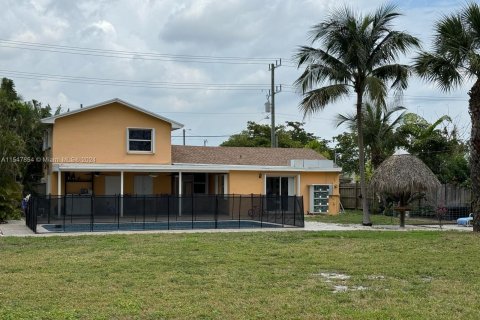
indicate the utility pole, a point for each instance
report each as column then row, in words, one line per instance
column 274, row 90
column 183, row 136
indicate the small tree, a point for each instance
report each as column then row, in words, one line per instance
column 378, row 129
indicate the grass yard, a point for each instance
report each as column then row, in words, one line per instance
column 355, row 217
column 261, row 275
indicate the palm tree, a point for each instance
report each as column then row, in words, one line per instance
column 356, row 53
column 378, row 129
column 455, row 57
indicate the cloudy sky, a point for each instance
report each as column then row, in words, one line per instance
column 173, row 56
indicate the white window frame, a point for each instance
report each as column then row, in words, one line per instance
column 47, row 139
column 152, row 151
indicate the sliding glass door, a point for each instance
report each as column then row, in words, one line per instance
column 277, row 190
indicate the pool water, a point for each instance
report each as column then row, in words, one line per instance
column 172, row 225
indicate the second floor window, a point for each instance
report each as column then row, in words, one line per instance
column 140, row 140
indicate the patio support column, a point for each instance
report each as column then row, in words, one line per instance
column 299, row 188
column 264, row 183
column 225, row 184
column 59, row 193
column 180, row 182
column 121, row 193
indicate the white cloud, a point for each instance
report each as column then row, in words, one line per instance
column 100, row 29
column 241, row 28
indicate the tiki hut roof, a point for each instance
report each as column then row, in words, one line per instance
column 404, row 174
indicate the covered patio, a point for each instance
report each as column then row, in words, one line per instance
column 157, row 212
column 92, row 197
column 129, row 180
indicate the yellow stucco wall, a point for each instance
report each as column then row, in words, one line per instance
column 100, row 133
column 162, row 184
column 245, row 182
column 53, row 183
column 309, row 178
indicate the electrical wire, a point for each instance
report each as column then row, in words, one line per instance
column 164, row 57
column 404, row 96
column 207, row 136
column 5, row 43
column 134, row 83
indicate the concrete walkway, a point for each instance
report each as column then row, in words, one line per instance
column 321, row 226
column 17, row 228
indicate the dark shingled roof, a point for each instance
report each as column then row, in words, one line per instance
column 241, row 155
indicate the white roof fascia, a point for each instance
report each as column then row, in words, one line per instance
column 51, row 120
column 233, row 167
column 184, row 167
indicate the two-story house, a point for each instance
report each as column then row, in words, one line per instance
column 117, row 148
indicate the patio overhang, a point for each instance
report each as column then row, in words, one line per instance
column 182, row 167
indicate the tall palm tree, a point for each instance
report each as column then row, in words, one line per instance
column 356, row 53
column 455, row 57
column 379, row 126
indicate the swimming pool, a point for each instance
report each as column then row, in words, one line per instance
column 171, row 225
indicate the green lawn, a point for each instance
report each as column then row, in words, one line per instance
column 262, row 275
column 355, row 217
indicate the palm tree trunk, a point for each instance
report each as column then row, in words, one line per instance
column 361, row 162
column 474, row 108
column 376, row 156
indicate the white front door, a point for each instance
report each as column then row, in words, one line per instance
column 112, row 185
column 143, row 185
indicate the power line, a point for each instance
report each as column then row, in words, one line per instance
column 23, row 45
column 179, row 85
column 405, row 96
column 215, row 113
column 137, row 52
column 206, row 136
column 134, row 83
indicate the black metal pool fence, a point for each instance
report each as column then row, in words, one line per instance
column 148, row 212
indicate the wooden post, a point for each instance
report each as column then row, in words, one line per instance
column 356, row 195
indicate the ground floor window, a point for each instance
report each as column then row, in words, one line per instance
column 192, row 183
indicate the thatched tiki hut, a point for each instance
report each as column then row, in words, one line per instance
column 402, row 176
